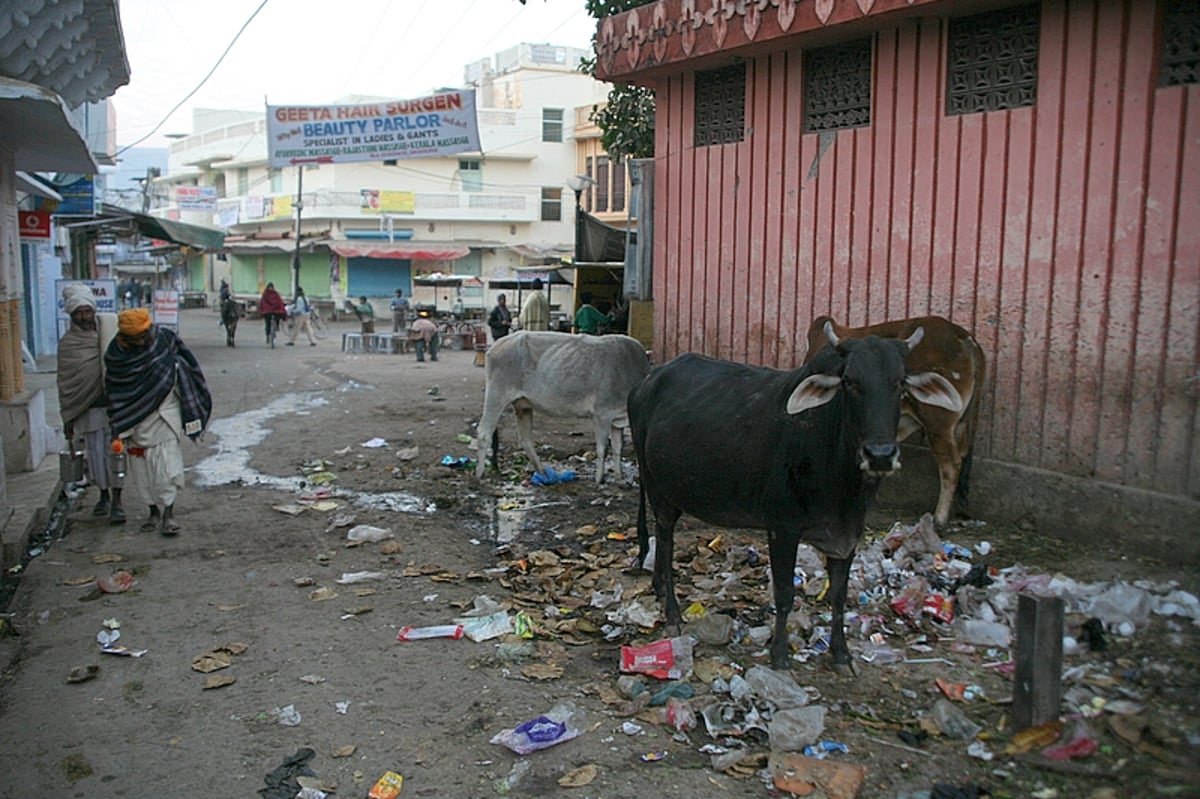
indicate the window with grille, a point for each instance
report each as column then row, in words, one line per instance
column 1180, row 56
column 992, row 61
column 720, row 105
column 587, row 195
column 618, row 185
column 470, row 174
column 601, row 187
column 243, row 180
column 552, row 124
column 276, row 180
column 837, row 86
column 551, row 204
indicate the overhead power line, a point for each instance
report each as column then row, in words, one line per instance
column 203, row 81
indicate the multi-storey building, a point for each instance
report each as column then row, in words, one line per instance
column 367, row 229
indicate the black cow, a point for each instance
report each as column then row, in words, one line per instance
column 796, row 453
column 231, row 311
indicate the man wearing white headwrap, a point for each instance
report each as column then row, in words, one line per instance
column 81, row 398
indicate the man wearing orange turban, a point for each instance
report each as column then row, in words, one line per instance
column 133, row 322
column 156, row 395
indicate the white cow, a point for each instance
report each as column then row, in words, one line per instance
column 561, row 374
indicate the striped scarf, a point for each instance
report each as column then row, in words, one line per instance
column 137, row 382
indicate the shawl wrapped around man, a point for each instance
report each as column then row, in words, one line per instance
column 80, row 380
column 139, row 380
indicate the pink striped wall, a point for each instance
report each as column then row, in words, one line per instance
column 1065, row 235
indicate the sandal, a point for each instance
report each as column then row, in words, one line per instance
column 116, row 515
column 101, row 508
column 150, row 525
column 169, row 528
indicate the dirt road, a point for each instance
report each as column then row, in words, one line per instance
column 264, row 579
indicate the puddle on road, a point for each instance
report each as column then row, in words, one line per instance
column 511, row 511
column 237, row 435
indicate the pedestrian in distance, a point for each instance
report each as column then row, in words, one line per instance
column 500, row 318
column 366, row 315
column 424, row 334
column 272, row 310
column 157, row 395
column 400, row 309
column 302, row 311
column 535, row 313
column 81, row 398
column 589, row 319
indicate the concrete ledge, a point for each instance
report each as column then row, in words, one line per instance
column 32, row 496
column 24, row 429
column 1074, row 509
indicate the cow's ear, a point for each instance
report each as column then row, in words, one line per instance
column 931, row 388
column 813, row 391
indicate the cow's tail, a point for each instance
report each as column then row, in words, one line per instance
column 496, row 449
column 970, row 421
column 643, row 532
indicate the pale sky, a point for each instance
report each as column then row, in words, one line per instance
column 307, row 52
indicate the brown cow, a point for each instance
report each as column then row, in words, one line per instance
column 951, row 352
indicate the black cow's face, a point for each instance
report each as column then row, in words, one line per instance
column 868, row 376
column 872, row 384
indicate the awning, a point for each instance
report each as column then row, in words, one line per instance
column 180, row 232
column 276, row 245
column 543, row 251
column 118, row 221
column 412, row 250
column 601, row 242
column 36, row 126
column 35, row 185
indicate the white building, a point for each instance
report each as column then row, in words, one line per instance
column 477, row 216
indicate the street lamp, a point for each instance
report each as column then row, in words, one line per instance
column 577, row 184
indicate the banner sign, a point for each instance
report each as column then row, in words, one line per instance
column 196, row 198
column 166, row 308
column 387, row 202
column 438, row 124
column 78, row 198
column 34, row 225
column 105, row 292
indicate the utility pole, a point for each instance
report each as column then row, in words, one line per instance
column 299, row 206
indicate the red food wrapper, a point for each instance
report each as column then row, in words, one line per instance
column 669, row 659
column 939, row 606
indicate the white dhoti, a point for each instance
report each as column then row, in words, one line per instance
column 155, row 457
column 93, row 438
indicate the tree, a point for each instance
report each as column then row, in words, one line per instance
column 627, row 121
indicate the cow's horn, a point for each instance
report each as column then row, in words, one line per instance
column 915, row 338
column 829, row 334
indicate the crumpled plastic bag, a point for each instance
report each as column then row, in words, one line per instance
column 550, row 477
column 776, row 687
column 365, row 534
column 560, row 723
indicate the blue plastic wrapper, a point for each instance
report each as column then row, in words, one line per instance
column 561, row 723
column 822, row 748
column 550, row 477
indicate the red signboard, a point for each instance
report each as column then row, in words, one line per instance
column 34, row 224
